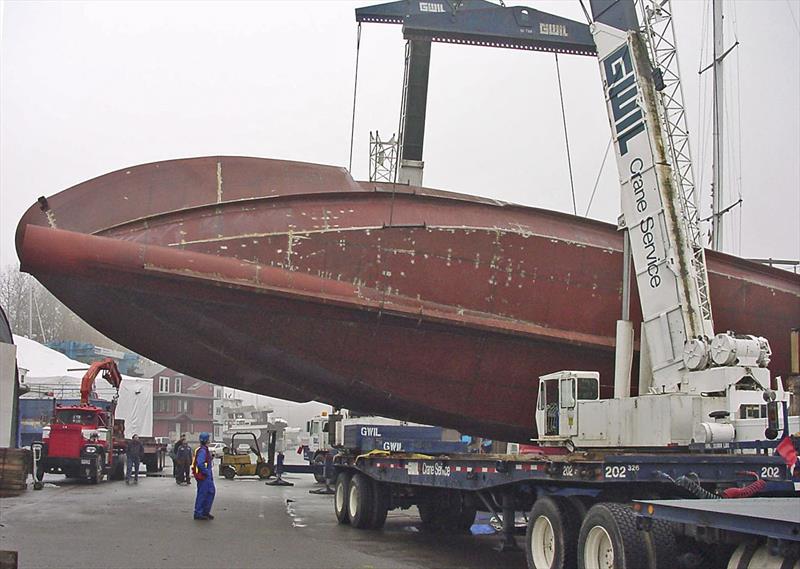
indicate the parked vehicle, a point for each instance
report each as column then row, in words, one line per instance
column 88, row 441
column 217, row 449
column 239, row 462
column 81, row 440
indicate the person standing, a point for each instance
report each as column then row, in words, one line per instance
column 133, row 455
column 183, row 460
column 203, row 471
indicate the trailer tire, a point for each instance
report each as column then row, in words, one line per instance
column 361, row 501
column 380, row 504
column 609, row 539
column 660, row 542
column 340, row 498
column 552, row 534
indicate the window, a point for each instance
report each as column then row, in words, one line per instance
column 177, row 385
column 567, row 393
column 211, row 408
column 68, row 416
column 588, row 389
column 163, row 384
column 162, row 405
column 183, row 406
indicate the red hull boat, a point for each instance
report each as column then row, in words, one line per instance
column 295, row 281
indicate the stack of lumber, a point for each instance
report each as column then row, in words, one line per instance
column 13, row 471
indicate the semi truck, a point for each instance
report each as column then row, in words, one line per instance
column 709, row 422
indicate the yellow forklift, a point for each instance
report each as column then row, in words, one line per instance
column 238, row 461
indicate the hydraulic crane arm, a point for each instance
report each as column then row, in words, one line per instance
column 110, row 372
column 671, row 286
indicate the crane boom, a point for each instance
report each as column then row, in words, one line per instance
column 110, row 373
column 670, row 285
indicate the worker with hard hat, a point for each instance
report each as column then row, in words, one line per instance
column 202, row 470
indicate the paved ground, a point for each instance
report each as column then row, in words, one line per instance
column 150, row 525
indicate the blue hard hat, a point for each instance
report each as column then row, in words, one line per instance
column 204, row 437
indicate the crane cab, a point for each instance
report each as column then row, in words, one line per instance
column 557, row 402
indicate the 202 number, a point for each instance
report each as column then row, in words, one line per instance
column 616, row 472
column 770, row 472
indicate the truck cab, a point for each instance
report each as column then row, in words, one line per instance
column 78, row 443
column 557, row 403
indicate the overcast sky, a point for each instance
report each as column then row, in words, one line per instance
column 91, row 87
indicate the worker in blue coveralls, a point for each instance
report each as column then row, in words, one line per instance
column 203, row 472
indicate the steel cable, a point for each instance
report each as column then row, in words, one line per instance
column 355, row 90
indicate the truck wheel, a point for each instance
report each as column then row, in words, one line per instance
column 98, row 471
column 228, row 472
column 360, row 502
column 609, row 539
column 380, row 504
column 340, row 498
column 319, row 460
column 552, row 535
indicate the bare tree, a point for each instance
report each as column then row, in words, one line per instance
column 35, row 313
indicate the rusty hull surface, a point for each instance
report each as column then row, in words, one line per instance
column 295, row 281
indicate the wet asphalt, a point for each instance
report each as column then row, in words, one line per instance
column 149, row 525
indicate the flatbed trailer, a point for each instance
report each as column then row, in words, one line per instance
column 764, row 531
column 568, row 499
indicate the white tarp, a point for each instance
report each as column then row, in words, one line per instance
column 48, row 371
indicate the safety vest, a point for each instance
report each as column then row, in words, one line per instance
column 207, row 463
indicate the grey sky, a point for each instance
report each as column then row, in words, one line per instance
column 91, row 87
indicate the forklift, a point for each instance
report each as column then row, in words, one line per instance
column 239, row 463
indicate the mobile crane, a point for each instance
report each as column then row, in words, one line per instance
column 82, row 441
column 707, row 420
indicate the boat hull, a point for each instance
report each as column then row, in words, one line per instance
column 294, row 281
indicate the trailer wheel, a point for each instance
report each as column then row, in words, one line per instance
column 552, row 535
column 340, row 498
column 660, row 542
column 360, row 501
column 380, row 504
column 609, row 539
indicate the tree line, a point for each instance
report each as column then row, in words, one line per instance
column 33, row 312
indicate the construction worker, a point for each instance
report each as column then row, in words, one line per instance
column 202, row 470
column 133, row 455
column 183, row 459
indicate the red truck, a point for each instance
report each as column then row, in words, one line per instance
column 85, row 441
